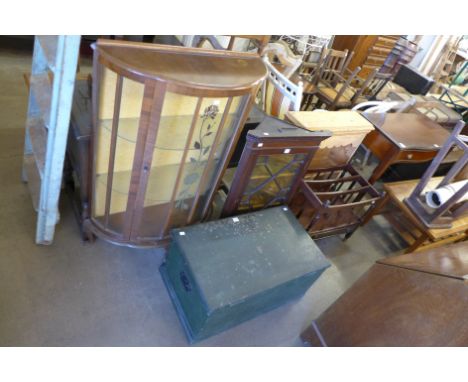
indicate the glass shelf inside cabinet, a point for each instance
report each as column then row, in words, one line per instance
column 172, row 130
column 156, row 192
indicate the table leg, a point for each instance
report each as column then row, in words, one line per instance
column 418, row 242
column 384, row 164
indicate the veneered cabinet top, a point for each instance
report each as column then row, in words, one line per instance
column 409, row 130
column 194, row 67
column 339, row 122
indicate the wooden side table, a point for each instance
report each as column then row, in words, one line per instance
column 349, row 129
column 410, row 228
column 409, row 300
column 402, row 138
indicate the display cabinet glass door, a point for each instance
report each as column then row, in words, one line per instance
column 271, row 180
column 118, row 120
column 192, row 143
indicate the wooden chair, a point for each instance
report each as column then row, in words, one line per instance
column 336, row 93
column 443, row 215
column 363, row 89
column 333, row 201
column 310, row 68
column 335, row 65
column 278, row 94
column 331, row 64
column 368, row 88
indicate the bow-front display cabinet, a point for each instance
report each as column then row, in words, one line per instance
column 165, row 122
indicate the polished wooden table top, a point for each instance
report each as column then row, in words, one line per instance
column 419, row 299
column 450, row 261
column 393, row 306
column 409, row 130
column 338, row 122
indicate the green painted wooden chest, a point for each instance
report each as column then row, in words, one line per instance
column 224, row 272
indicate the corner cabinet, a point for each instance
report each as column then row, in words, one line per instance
column 275, row 159
column 165, row 122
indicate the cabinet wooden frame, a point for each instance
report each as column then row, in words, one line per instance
column 265, row 142
column 163, row 74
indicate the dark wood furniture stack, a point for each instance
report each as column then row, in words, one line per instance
column 418, row 299
column 402, row 53
column 165, row 121
column 276, row 157
column 370, row 51
column 333, row 201
column 402, row 138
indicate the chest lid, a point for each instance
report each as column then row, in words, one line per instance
column 237, row 257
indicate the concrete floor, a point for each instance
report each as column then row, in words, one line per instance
column 77, row 294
